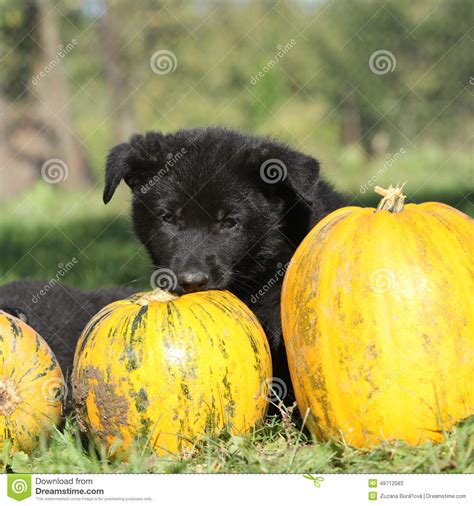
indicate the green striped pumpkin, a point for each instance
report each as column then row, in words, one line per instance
column 31, row 385
column 170, row 369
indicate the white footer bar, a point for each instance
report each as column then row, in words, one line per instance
column 239, row 490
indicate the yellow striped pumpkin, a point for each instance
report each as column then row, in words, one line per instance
column 378, row 322
column 169, row 369
column 32, row 386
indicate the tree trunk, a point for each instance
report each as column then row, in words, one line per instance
column 121, row 116
column 16, row 175
column 54, row 95
column 350, row 126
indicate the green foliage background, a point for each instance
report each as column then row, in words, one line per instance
column 424, row 105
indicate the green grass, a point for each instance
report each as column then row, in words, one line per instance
column 276, row 447
column 44, row 229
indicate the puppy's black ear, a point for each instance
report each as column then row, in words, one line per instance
column 133, row 161
column 290, row 171
column 305, row 182
column 303, row 176
column 116, row 168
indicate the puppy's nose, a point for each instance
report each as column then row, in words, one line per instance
column 193, row 281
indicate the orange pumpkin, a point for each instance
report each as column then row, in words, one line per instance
column 32, row 386
column 378, row 322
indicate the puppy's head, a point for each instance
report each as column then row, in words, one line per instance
column 215, row 208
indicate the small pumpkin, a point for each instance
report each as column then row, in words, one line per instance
column 378, row 322
column 32, row 386
column 169, row 369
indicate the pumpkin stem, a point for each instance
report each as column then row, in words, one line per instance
column 9, row 397
column 157, row 295
column 393, row 198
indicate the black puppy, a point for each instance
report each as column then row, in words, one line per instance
column 59, row 315
column 217, row 209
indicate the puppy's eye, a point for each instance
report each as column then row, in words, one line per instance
column 228, row 223
column 168, row 217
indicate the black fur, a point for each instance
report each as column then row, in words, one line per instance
column 210, row 211
column 60, row 315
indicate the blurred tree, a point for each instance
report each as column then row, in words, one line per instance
column 390, row 69
column 320, row 96
column 447, row 65
column 122, row 122
column 55, row 97
column 17, row 51
column 17, row 48
column 35, row 98
column 362, row 47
